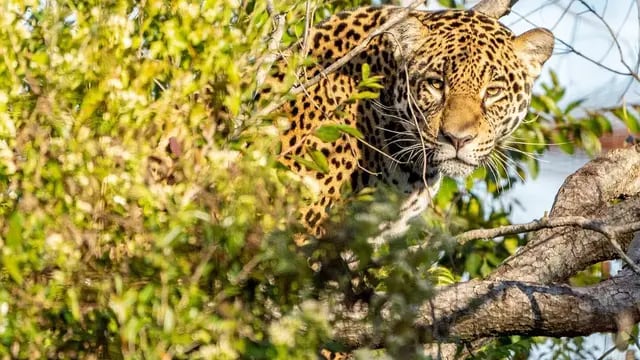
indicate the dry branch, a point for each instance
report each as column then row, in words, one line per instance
column 273, row 45
column 479, row 309
column 592, row 191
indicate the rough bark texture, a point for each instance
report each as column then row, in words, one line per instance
column 593, row 191
column 524, row 295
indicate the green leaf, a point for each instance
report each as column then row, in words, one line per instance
column 311, row 165
column 74, row 305
column 511, row 244
column 472, row 263
column 628, row 119
column 554, row 78
column 448, row 189
column 442, row 275
column 360, row 95
column 604, row 123
column 14, row 234
column 560, row 139
column 448, row 3
column 328, row 133
column 572, row 105
column 485, row 269
column 10, row 263
column 537, row 104
column 320, row 160
column 550, row 105
column 590, row 142
column 371, row 83
column 331, row 133
column 366, row 71
column 350, row 130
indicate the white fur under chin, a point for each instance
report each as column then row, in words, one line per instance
column 455, row 168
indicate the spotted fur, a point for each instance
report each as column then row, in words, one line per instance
column 455, row 83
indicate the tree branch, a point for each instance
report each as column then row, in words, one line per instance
column 274, row 43
column 592, row 191
column 478, row 309
column 520, row 297
column 610, row 232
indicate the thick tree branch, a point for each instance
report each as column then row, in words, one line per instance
column 492, row 308
column 593, row 191
column 478, row 309
column 520, row 297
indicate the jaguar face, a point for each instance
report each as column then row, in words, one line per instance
column 471, row 93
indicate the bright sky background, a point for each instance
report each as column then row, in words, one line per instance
column 592, row 34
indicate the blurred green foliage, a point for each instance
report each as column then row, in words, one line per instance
column 144, row 214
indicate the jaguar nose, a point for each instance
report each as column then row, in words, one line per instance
column 457, row 140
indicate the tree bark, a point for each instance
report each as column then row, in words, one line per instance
column 523, row 295
column 596, row 190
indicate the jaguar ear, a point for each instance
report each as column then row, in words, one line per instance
column 408, row 36
column 533, row 48
column 494, row 8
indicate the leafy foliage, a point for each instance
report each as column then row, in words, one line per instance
column 145, row 213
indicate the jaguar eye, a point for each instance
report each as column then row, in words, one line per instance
column 493, row 91
column 436, row 83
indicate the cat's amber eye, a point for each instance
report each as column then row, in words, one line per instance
column 436, row 83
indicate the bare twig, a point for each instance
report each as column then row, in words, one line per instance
column 613, row 34
column 274, row 43
column 584, row 56
column 308, row 18
column 610, row 232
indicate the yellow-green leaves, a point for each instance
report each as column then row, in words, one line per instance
column 318, row 161
column 368, row 86
column 630, row 120
column 331, row 133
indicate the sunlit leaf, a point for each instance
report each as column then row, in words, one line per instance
column 630, row 120
column 590, row 142
column 331, row 133
column 320, row 160
column 328, row 133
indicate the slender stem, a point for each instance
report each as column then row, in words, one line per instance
column 610, row 232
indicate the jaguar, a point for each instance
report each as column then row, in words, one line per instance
column 452, row 85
